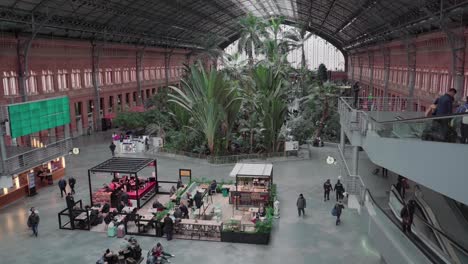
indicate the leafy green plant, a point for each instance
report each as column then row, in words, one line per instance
column 266, row 225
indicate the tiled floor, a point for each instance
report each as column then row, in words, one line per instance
column 312, row 239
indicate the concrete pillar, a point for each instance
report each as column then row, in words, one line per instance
column 342, row 139
column 355, row 160
column 457, row 44
column 386, row 58
column 139, row 74
column 360, row 68
column 370, row 56
column 95, row 55
column 411, row 63
column 22, row 48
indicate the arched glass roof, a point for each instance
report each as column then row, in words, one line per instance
column 185, row 23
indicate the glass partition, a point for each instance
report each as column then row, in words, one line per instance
column 449, row 129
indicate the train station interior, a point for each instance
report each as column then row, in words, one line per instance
column 218, row 128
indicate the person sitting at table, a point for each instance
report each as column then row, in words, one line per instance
column 198, row 200
column 189, row 200
column 159, row 252
column 124, row 197
column 158, row 205
column 133, row 216
column 184, row 210
column 172, row 190
column 110, row 257
column 178, row 213
column 256, row 218
column 179, row 184
column 213, row 186
column 120, row 207
column 262, row 211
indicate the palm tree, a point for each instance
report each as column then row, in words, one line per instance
column 298, row 39
column 211, row 50
column 272, row 105
column 252, row 29
column 207, row 96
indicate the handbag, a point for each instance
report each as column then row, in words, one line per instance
column 333, row 211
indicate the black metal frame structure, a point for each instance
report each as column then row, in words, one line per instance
column 347, row 24
column 130, row 166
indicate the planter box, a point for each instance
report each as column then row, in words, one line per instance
column 247, row 238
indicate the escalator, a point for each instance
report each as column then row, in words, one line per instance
column 427, row 233
column 419, row 148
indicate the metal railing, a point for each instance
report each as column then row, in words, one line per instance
column 353, row 183
column 384, row 104
column 35, row 157
column 227, row 159
column 456, row 254
column 444, row 128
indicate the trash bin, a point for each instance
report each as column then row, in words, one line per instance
column 225, row 192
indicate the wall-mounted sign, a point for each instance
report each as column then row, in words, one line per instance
column 185, row 173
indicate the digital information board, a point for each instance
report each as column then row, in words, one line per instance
column 30, row 117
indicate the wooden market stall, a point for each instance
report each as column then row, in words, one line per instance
column 253, row 184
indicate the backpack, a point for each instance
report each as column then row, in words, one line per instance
column 334, row 211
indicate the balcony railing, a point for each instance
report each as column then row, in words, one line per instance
column 37, row 156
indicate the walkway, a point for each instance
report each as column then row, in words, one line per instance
column 313, row 239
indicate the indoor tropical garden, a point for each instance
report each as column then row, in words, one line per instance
column 250, row 102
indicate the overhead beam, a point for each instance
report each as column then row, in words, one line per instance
column 328, row 13
column 355, row 15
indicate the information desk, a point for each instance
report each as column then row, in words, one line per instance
column 191, row 228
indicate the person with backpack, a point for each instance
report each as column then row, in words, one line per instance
column 337, row 210
column 112, row 148
column 407, row 215
column 71, row 183
column 327, row 187
column 464, row 122
column 444, row 106
column 33, row 220
column 339, row 189
column 62, row 185
column 301, row 205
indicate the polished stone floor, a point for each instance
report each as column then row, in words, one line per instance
column 312, row 239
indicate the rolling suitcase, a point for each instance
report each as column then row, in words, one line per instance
column 120, row 231
column 111, row 230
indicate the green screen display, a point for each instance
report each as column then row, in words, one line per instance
column 31, row 117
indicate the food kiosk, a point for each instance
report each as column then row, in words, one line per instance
column 253, row 184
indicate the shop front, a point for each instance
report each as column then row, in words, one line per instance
column 29, row 181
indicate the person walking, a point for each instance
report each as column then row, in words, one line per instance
column 33, row 220
column 62, row 185
column 339, row 189
column 356, row 94
column 168, row 227
column 301, row 205
column 464, row 121
column 407, row 215
column 70, row 200
column 327, row 187
column 338, row 210
column 112, row 148
column 71, row 183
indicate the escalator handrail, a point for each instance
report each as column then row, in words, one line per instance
column 406, row 120
column 419, row 246
column 460, row 247
column 417, row 119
